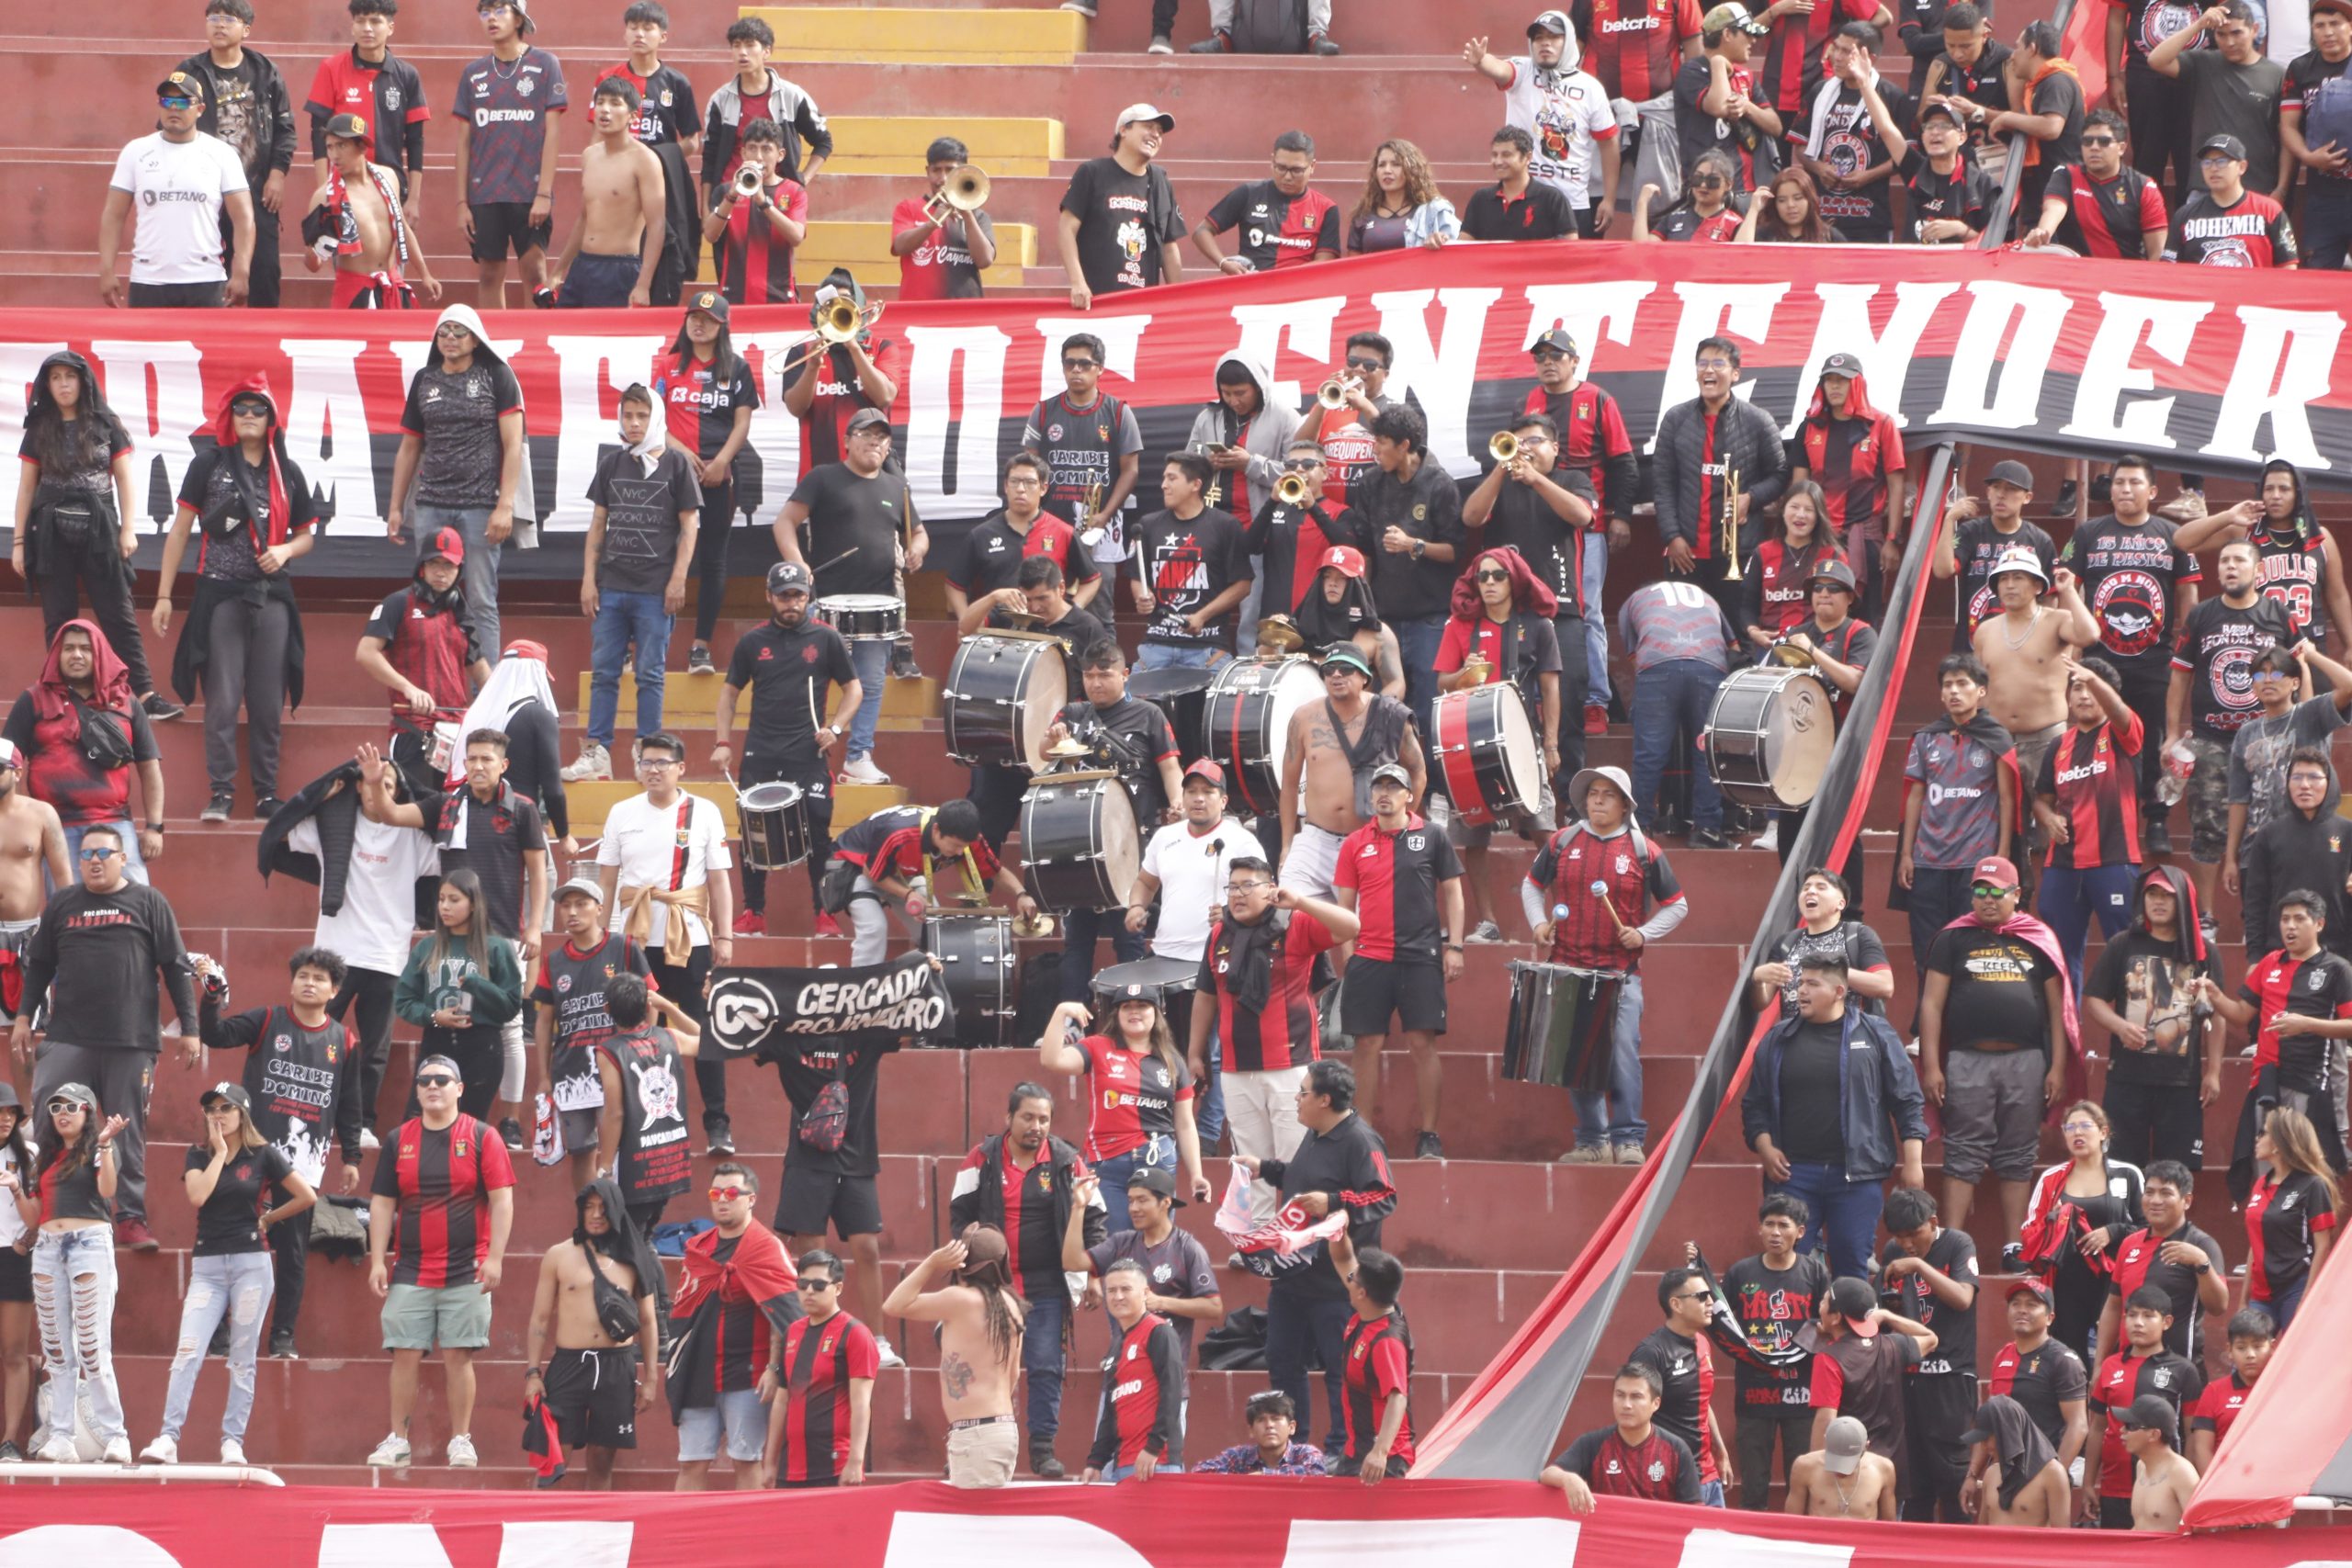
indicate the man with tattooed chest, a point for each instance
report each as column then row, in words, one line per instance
column 1334, row 746
column 979, row 1323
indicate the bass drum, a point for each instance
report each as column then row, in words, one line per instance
column 1004, row 691
column 976, row 957
column 1487, row 754
column 1247, row 720
column 1183, row 694
column 775, row 826
column 1769, row 734
column 1562, row 1024
column 1080, row 848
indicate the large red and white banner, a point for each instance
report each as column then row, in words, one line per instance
column 1174, row 1522
column 2191, row 365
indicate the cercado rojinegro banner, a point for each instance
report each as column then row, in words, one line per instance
column 2198, row 367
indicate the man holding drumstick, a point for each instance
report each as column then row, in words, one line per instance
column 1587, row 897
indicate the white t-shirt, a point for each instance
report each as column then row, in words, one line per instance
column 1191, row 874
column 644, row 841
column 377, row 925
column 1567, row 118
column 177, row 192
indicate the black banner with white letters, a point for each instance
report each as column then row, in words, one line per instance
column 761, row 1013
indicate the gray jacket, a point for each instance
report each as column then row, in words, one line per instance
column 1751, row 445
column 1265, row 438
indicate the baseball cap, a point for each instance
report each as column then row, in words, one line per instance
column 75, row 1094
column 2009, row 471
column 1559, row 342
column 1936, row 108
column 2341, row 7
column 1204, row 769
column 1347, row 653
column 1347, row 558
column 2154, row 1411
column 1549, row 22
column 1395, row 773
column 864, row 417
column 2038, row 1290
column 1155, row 1178
column 235, row 1093
column 711, row 303
column 1834, row 571
column 1135, row 112
column 349, row 127
column 587, row 886
column 1730, row 15
column 2020, row 558
column 1995, row 869
column 1844, row 365
column 448, row 542
column 181, row 85
column 2221, row 141
column 1854, row 1300
column 1843, row 1447
column 786, row 576
column 1135, row 991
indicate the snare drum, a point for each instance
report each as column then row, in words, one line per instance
column 1247, row 720
column 1080, row 845
column 775, row 826
column 1487, row 754
column 1003, row 692
column 864, row 617
column 1561, row 1025
column 1183, row 694
column 1769, row 734
column 976, row 958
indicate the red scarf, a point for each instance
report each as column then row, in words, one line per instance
column 2044, row 941
column 224, row 432
column 53, row 695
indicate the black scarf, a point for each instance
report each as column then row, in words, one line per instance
column 620, row 1242
column 1249, row 958
column 1323, row 623
column 2021, row 1446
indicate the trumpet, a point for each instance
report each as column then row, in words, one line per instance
column 1333, row 393
column 1291, row 489
column 749, row 180
column 1731, row 526
column 1503, row 447
column 1091, row 534
column 967, row 190
column 839, row 323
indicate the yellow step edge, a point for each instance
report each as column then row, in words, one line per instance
column 593, row 800
column 692, row 701
column 868, row 242
column 917, row 35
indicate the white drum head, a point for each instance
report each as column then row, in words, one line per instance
column 849, row 603
column 1522, row 761
column 1122, row 838
column 1293, row 684
column 767, row 796
column 1800, row 731
column 1045, row 687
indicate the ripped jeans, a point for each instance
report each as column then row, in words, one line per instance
column 237, row 1285
column 73, row 1284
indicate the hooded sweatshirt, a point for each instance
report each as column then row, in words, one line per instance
column 82, row 481
column 489, row 386
column 1850, row 456
column 2294, row 851
column 78, row 773
column 2294, row 559
column 1265, row 436
column 238, row 511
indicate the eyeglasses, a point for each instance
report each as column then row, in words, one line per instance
column 659, row 763
column 451, row 329
column 1298, row 171
column 435, row 1081
column 2270, row 676
column 1714, row 364
column 1026, row 482
column 728, row 1194
column 1081, row 365
column 1357, row 362
column 1987, row 890
column 2212, row 159
column 1245, row 887
column 2318, row 780
column 2078, row 1126
column 98, row 851
column 1494, row 577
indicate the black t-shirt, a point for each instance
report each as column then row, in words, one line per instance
column 1188, row 562
column 994, row 551
column 212, row 478
column 2218, row 642
column 494, row 852
column 1774, row 1306
column 1138, row 735
column 849, row 513
column 230, row 1220
column 805, row 1072
column 1753, row 156
column 1851, row 939
column 1123, row 219
column 1428, row 507
column 2307, row 76
column 1849, row 145
column 1523, row 522
column 2060, row 93
column 2042, row 1379
column 456, row 416
column 2147, row 23
column 787, row 673
column 1965, row 193
column 1684, row 1366
column 2148, row 983
column 641, row 525
column 1541, row 213
column 1812, row 1125
column 1953, row 1254
column 1997, row 988
column 2130, row 578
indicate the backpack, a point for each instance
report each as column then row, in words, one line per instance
column 824, row 1126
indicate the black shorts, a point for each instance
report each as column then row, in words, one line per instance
column 16, row 1275
column 592, row 1395
column 1937, row 1409
column 598, row 283
column 808, row 1198
column 501, row 226
column 1376, row 991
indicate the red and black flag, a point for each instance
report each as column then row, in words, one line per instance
column 734, row 1295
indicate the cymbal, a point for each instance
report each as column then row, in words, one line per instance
column 1070, row 748
column 1026, row 926
column 1282, row 632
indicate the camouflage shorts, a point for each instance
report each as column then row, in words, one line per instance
column 2208, row 800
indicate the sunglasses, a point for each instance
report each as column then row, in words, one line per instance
column 1696, row 1296
column 435, row 1081
column 814, row 1284
column 1081, row 365
column 1709, row 182
column 1494, row 577
column 250, row 411
column 59, row 1106
column 1987, row 890
column 98, row 851
column 1300, row 465
column 2270, row 676
column 2098, row 141
column 728, row 1194
column 182, row 102
column 1359, row 363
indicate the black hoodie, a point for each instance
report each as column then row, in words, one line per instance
column 85, row 481
column 2290, row 851
column 2146, row 981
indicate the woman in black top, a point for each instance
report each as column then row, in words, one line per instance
column 461, row 986
column 2076, row 1211
column 2290, row 1214
column 19, row 1215
column 230, row 1173
column 73, row 1274
column 74, row 527
column 707, row 394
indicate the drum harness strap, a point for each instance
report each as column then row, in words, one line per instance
column 972, row 877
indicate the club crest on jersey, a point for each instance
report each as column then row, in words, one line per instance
column 564, row 982
column 1657, row 1470
column 1417, row 842
column 1624, row 864
column 283, row 1043
column 2319, row 979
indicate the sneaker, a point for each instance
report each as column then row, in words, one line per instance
column 367, row 1139
column 890, row 1357
column 1215, row 43
column 860, row 770
column 1044, row 1465
column 1426, row 1146
column 1626, row 1154
column 750, row 923
column 160, row 708
column 266, row 807
column 1769, row 838
column 2068, row 494
column 2013, row 1257
column 2156, row 837
column 698, row 660
column 1083, row 7
column 1586, row 1154
column 1158, row 45
column 594, row 763
column 2185, row 507
column 720, row 1137
column 1487, row 931
column 2102, row 489
column 902, row 653
column 1233, row 1260
column 232, row 1451
column 1596, row 719
column 281, row 1346
column 1321, row 43
column 118, row 1452
column 58, row 1450
column 1710, row 838
column 11, row 1454
column 217, row 809
column 393, row 1449
column 132, row 1234
column 461, row 1452
column 512, row 1131
column 164, row 1449
column 828, row 926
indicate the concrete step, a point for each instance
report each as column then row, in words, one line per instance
column 916, row 35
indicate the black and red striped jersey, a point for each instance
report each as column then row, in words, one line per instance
column 1395, row 877
column 1283, row 1033
column 754, row 264
column 1593, row 437
column 2253, row 230
column 1277, row 231
column 1631, row 871
column 2283, row 1218
column 820, row 1361
column 740, row 1339
column 2106, row 218
column 1849, row 459
column 994, row 550
column 1633, row 46
column 1142, row 1390
column 2122, row 1378
column 2216, row 1410
column 824, row 429
column 431, row 643
column 1032, row 1222
column 892, row 842
column 1779, row 596
column 440, row 1182
column 1790, row 73
column 2045, row 1380
column 1659, row 1467
column 700, row 398
column 2094, row 776
column 2317, row 987
column 1379, row 1362
column 388, row 95
column 1132, row 1097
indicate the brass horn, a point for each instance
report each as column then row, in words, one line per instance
column 1333, row 394
column 1502, row 446
column 967, row 190
column 749, row 180
column 1291, row 489
column 837, row 323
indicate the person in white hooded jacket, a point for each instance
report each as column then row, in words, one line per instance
column 1244, row 435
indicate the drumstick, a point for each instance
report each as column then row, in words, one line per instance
column 1600, row 891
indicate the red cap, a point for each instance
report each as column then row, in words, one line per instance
column 1997, row 870
column 447, row 542
column 1347, row 558
column 1205, row 769
column 2034, row 1288
column 523, row 647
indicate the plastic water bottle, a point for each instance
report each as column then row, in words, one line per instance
column 2179, row 763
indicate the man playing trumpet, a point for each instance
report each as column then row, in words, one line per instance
column 1719, row 460
column 944, row 239
column 757, row 222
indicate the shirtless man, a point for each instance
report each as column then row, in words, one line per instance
column 616, row 239
column 32, row 841
column 2040, row 1500
column 595, row 1385
column 980, row 1324
column 2028, row 651
column 1339, row 792
column 1842, row 1479
column 364, row 231
column 2160, row 1491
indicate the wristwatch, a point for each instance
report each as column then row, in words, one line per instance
column 155, row 828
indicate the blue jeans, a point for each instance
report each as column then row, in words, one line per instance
column 74, row 1291
column 1122, row 1472
column 1416, row 644
column 1170, row 655
column 1208, row 1100
column 1081, row 929
column 1670, row 705
column 235, row 1285
column 133, row 866
column 871, row 658
column 1157, row 1151
column 624, row 618
column 2070, row 898
column 1845, row 1213
column 2283, row 1306
column 1711, row 1494
column 1595, row 1119
column 1297, row 1326
column 1041, row 1357
column 1596, row 632
column 478, row 573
